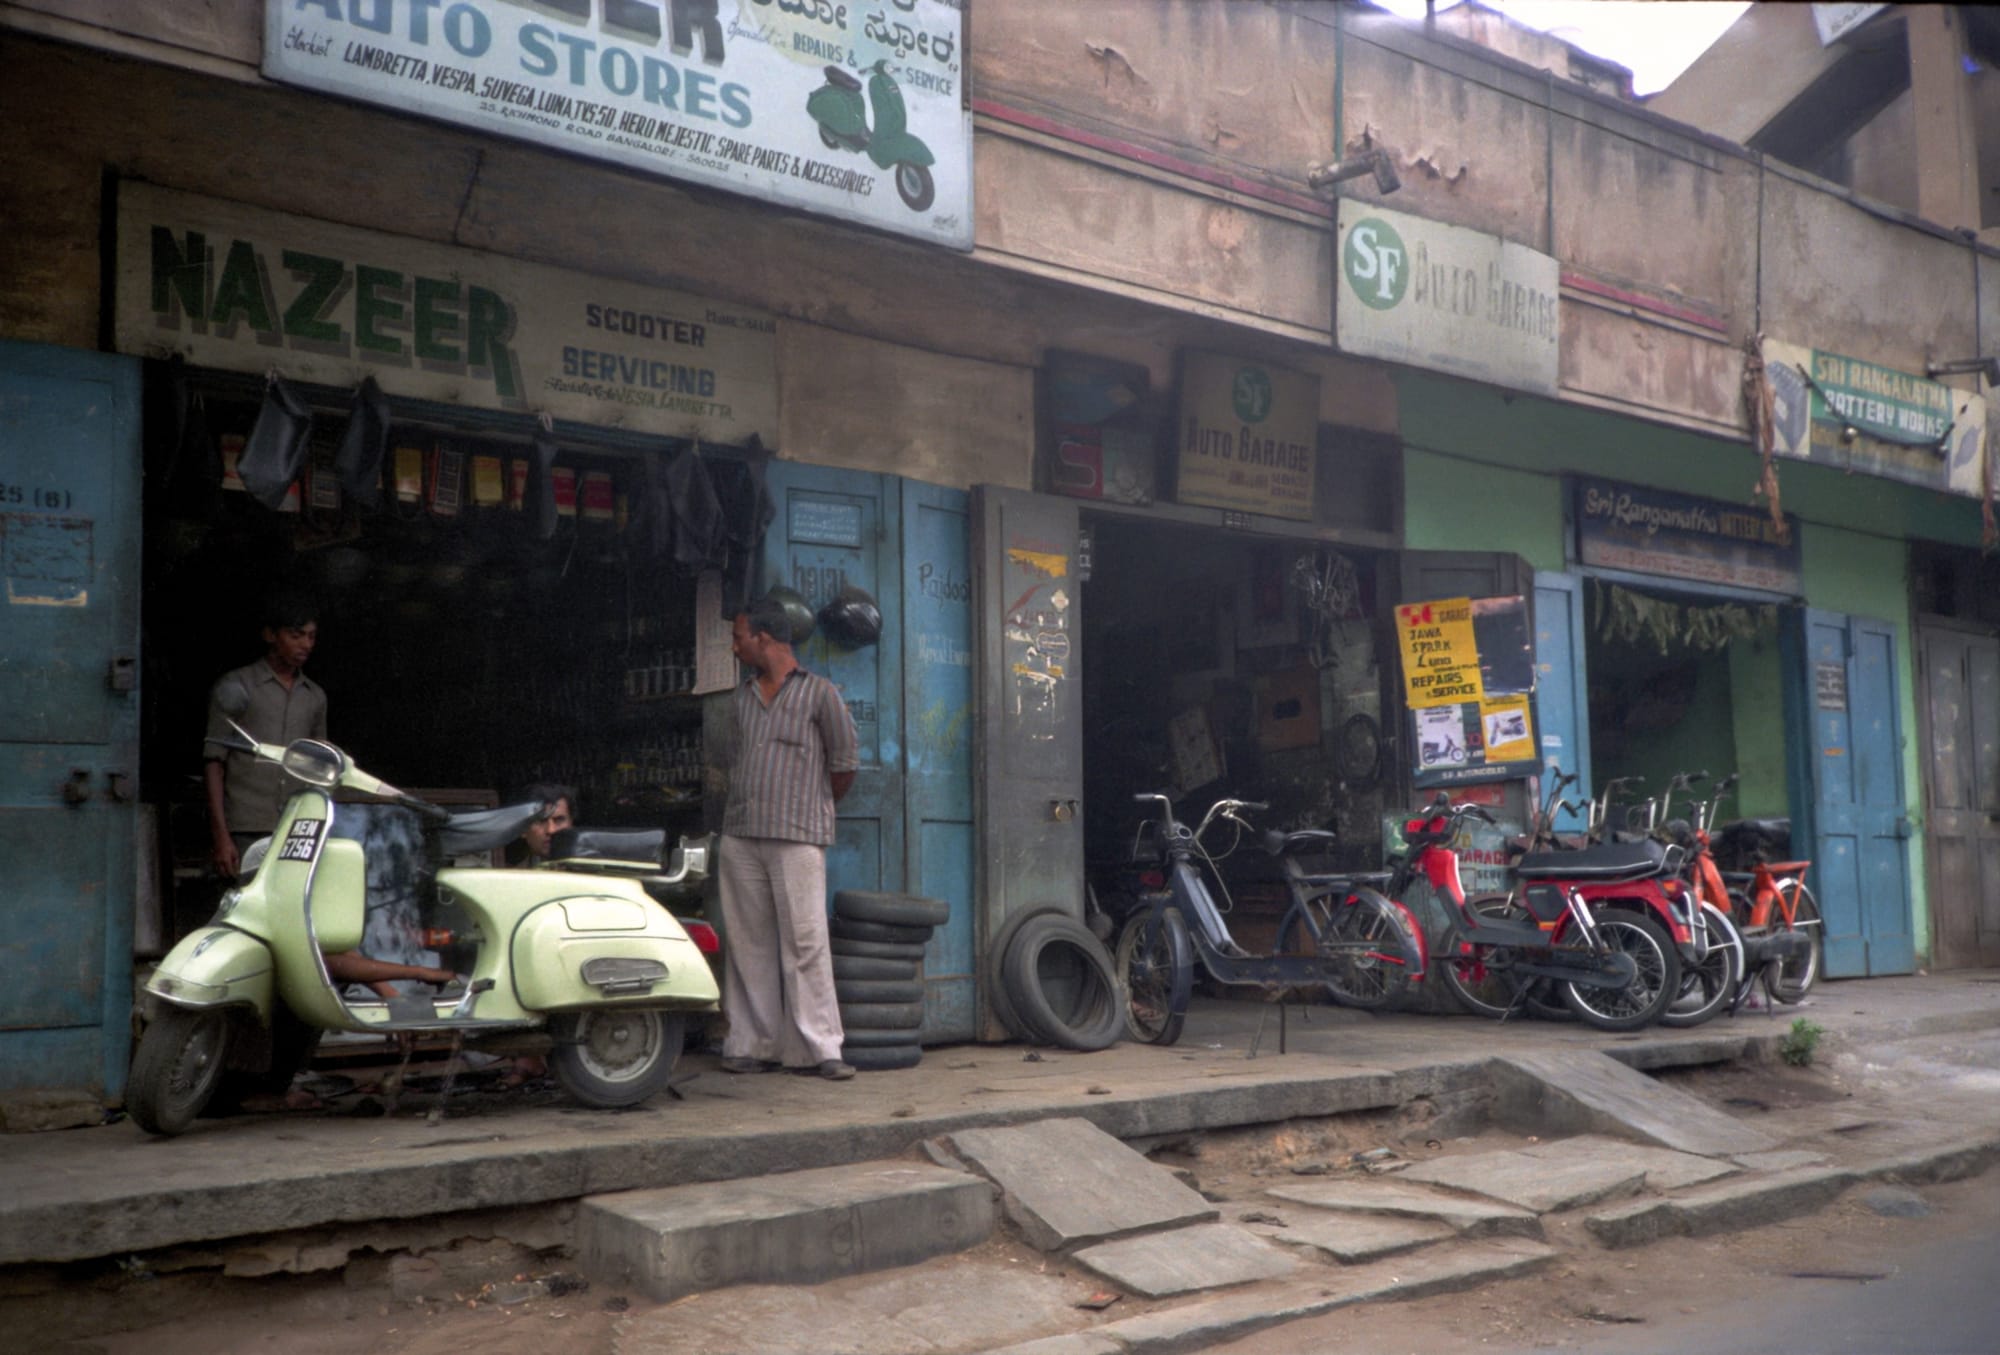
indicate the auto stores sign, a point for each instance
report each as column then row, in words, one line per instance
column 852, row 108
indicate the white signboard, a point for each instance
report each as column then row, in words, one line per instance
column 851, row 108
column 1446, row 298
column 248, row 290
column 1835, row 22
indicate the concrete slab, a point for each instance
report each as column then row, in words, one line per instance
column 1183, row 1260
column 1742, row 1202
column 1066, row 1183
column 791, row 1228
column 1463, row 1215
column 1573, row 1091
column 1352, row 1238
column 1784, row 1159
column 956, row 1305
column 1570, row 1173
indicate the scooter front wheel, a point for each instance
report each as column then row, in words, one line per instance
column 913, row 182
column 617, row 1056
column 179, row 1063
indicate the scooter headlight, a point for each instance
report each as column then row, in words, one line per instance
column 187, row 992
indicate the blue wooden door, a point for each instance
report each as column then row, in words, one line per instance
column 1562, row 695
column 835, row 528
column 1859, row 819
column 69, row 715
column 937, row 744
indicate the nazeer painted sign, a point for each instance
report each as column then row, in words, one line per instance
column 1446, row 298
column 1248, row 435
column 248, row 290
column 856, row 109
column 1861, row 416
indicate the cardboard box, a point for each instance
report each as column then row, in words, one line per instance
column 1288, row 709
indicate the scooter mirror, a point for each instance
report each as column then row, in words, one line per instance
column 315, row 763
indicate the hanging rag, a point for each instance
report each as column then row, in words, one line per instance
column 747, row 509
column 189, row 475
column 276, row 450
column 701, row 539
column 649, row 533
column 1759, row 405
column 541, row 495
column 358, row 461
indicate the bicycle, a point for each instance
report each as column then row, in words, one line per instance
column 1775, row 909
column 1360, row 946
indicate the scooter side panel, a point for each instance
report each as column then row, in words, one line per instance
column 216, row 966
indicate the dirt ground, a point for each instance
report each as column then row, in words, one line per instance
column 498, row 1311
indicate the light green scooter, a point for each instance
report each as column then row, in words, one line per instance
column 580, row 951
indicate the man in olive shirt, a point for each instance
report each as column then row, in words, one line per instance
column 796, row 754
column 276, row 702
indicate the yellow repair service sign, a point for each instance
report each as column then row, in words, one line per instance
column 1440, row 660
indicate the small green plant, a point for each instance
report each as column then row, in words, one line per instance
column 1799, row 1045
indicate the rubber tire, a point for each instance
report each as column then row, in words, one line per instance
column 875, row 950
column 1479, row 987
column 848, row 967
column 1367, row 984
column 1711, row 986
column 1166, row 981
column 1624, row 922
column 1799, row 980
column 997, row 996
column 867, row 1038
column 849, row 929
column 881, row 1015
column 847, row 991
column 595, row 1081
column 163, row 1095
column 899, row 910
column 920, row 192
column 882, row 1058
column 1098, row 1016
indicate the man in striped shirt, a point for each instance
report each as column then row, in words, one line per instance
column 795, row 755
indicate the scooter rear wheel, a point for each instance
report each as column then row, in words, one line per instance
column 617, row 1056
column 179, row 1063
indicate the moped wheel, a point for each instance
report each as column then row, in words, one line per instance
column 1479, row 976
column 1790, row 981
column 1357, row 938
column 1710, row 986
column 1155, row 975
column 913, row 182
column 1653, row 988
column 828, row 139
column 176, row 1070
column 617, row 1056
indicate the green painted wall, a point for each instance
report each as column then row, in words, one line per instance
column 1451, row 503
column 1702, row 740
column 1757, row 707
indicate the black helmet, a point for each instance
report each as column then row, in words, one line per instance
column 851, row 619
column 797, row 611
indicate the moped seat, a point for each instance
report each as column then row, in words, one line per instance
column 482, row 830
column 598, row 844
column 1304, row 842
column 1606, row 861
column 837, row 76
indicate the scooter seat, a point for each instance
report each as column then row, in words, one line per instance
column 597, row 844
column 837, row 76
column 1606, row 861
column 482, row 830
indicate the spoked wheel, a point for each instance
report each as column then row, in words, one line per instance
column 1155, row 964
column 1790, row 981
column 1710, row 986
column 176, row 1070
column 1361, row 941
column 615, row 1057
column 1480, row 977
column 1653, row 988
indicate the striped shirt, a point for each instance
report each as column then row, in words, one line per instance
column 779, row 783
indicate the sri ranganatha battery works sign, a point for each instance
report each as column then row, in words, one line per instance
column 852, row 108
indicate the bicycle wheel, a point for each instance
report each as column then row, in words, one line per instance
column 1155, row 966
column 1790, row 981
column 1710, row 986
column 1479, row 976
column 1653, row 988
column 1361, row 940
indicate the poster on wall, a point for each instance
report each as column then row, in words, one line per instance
column 1469, row 688
column 851, row 110
column 1248, row 436
column 1860, row 416
column 247, row 290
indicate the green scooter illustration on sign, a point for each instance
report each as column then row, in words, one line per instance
column 841, row 111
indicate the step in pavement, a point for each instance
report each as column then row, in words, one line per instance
column 1582, row 1091
column 1183, row 1260
column 1466, row 1216
column 790, row 1228
column 1570, row 1173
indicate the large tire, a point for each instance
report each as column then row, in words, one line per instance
column 1061, row 982
column 850, row 929
column 1640, row 1003
column 899, row 910
column 1357, row 935
column 615, row 1056
column 996, row 983
column 177, row 1068
column 852, row 967
column 882, row 1058
column 863, row 1038
column 1790, row 982
column 878, row 990
column 1708, row 987
column 875, row 950
column 881, row 1015
column 1155, row 964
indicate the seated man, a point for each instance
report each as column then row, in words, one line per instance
column 351, row 966
column 558, row 813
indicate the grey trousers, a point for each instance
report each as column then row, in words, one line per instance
column 777, row 973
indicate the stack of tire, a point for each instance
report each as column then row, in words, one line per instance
column 1052, row 982
column 878, row 955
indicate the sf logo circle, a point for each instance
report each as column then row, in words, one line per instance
column 1376, row 264
column 1251, row 394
